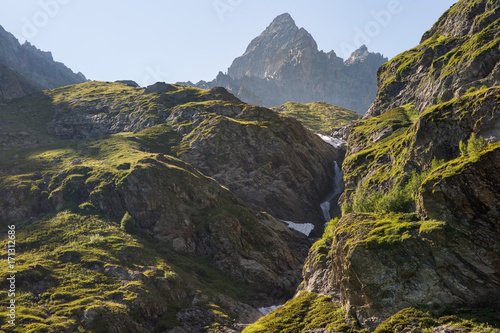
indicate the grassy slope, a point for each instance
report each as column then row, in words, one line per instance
column 76, row 260
column 384, row 140
column 305, row 312
column 319, row 116
column 71, row 263
column 70, row 251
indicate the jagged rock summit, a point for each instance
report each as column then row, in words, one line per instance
column 284, row 64
column 36, row 67
column 267, row 54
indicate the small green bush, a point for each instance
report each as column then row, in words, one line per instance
column 474, row 146
column 127, row 224
column 471, row 90
column 398, row 199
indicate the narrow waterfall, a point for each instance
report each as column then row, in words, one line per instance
column 338, row 183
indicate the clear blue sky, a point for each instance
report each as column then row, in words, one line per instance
column 165, row 40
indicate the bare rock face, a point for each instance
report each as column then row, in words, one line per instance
column 37, row 67
column 467, row 190
column 284, row 64
column 458, row 53
column 263, row 168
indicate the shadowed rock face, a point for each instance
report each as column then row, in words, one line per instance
column 37, row 67
column 444, row 249
column 284, row 64
column 13, row 85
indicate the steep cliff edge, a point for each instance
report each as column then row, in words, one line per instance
column 417, row 245
column 458, row 53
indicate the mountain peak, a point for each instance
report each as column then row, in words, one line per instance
column 281, row 25
column 360, row 55
column 266, row 53
column 284, row 64
column 283, row 20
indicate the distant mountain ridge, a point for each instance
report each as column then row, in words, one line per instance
column 284, row 64
column 36, row 67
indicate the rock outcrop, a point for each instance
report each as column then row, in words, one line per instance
column 284, row 64
column 460, row 52
column 375, row 271
column 37, row 67
column 420, row 225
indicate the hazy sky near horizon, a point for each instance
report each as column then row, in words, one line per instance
column 172, row 41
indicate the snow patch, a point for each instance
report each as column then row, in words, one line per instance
column 304, row 228
column 332, row 141
column 269, row 309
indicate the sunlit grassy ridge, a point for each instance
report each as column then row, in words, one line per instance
column 463, row 50
column 307, row 311
column 72, row 264
column 319, row 116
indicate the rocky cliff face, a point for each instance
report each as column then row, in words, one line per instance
column 420, row 224
column 284, row 64
column 37, row 67
column 458, row 53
